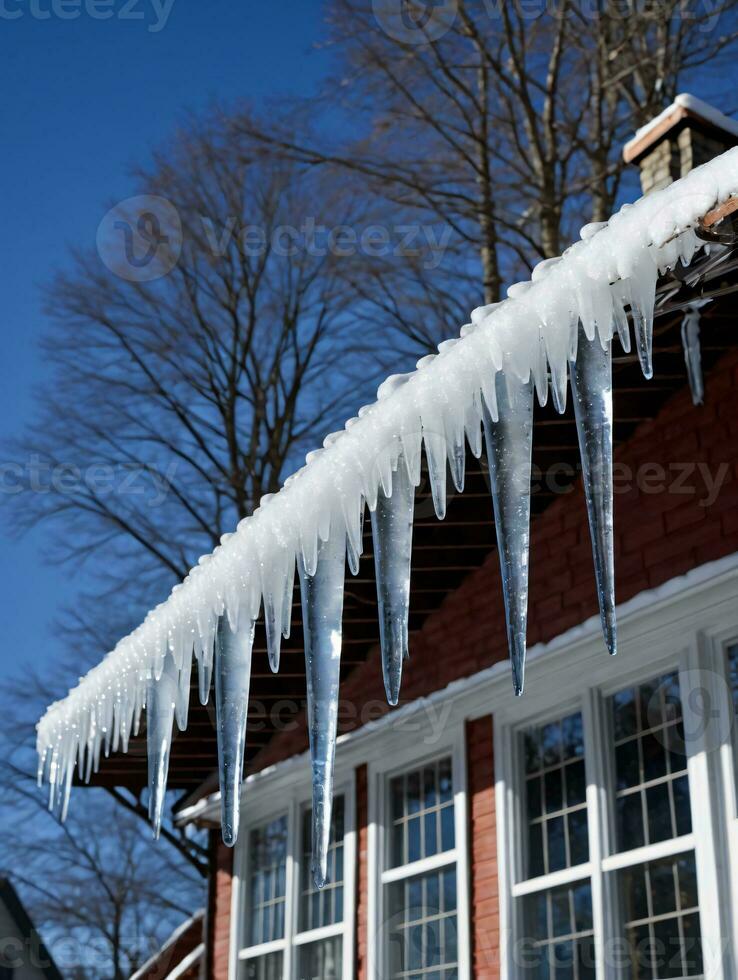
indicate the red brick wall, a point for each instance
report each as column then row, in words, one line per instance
column 219, row 908
column 484, row 918
column 659, row 535
column 361, row 918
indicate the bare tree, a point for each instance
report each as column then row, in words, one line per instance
column 505, row 121
column 102, row 893
column 177, row 402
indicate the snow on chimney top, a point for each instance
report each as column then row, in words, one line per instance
column 687, row 133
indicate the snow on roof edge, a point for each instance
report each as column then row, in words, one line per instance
column 509, row 336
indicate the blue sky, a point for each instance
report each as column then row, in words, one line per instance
column 85, row 98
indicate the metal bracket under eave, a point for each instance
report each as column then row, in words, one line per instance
column 720, row 224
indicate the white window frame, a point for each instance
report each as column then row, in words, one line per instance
column 294, row 798
column 691, row 636
column 397, row 758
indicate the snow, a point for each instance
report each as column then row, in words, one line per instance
column 316, row 518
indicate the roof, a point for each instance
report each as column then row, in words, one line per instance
column 180, row 953
column 9, row 898
column 685, row 108
column 653, row 233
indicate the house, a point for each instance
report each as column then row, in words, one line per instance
column 586, row 829
column 23, row 955
column 180, row 957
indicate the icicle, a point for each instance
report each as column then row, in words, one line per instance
column 322, row 610
column 392, row 533
column 161, row 698
column 183, row 692
column 692, row 352
column 642, row 281
column 591, row 384
column 509, row 445
column 204, row 675
column 232, row 679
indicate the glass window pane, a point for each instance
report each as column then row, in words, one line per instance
column 555, row 796
column 651, row 787
column 558, row 929
column 421, row 813
column 262, row 968
column 267, row 862
column 660, row 918
column 422, row 940
column 321, row 960
column 320, row 908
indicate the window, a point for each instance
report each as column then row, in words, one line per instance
column 321, row 910
column 732, row 679
column 300, row 939
column 420, row 885
column 555, row 789
column 629, row 865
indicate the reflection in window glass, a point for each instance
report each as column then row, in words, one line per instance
column 322, row 907
column 555, row 795
column 267, row 864
column 263, row 968
column 320, row 960
column 560, row 934
column 660, row 915
column 421, row 813
column 651, row 784
column 423, row 935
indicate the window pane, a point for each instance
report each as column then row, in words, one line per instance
column 555, row 795
column 559, row 936
column 267, row 864
column 732, row 671
column 660, row 918
column 651, row 786
column 422, row 927
column 262, row 968
column 322, row 907
column 421, row 813
column 320, row 960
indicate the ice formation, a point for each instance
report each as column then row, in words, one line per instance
column 562, row 321
column 692, row 350
column 233, row 647
column 509, row 446
column 392, row 534
column 321, row 587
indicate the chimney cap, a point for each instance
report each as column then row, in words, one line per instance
column 684, row 107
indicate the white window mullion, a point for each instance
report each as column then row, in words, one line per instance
column 462, row 857
column 292, row 883
column 599, row 778
column 701, row 695
column 506, row 853
column 350, row 851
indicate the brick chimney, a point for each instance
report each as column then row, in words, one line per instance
column 687, row 133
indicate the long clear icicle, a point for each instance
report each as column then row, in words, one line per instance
column 692, row 351
column 322, row 612
column 591, row 384
column 509, row 446
column 161, row 699
column 392, row 533
column 232, row 680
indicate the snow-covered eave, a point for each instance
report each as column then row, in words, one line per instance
column 531, row 336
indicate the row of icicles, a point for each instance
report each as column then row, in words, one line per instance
column 508, row 447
